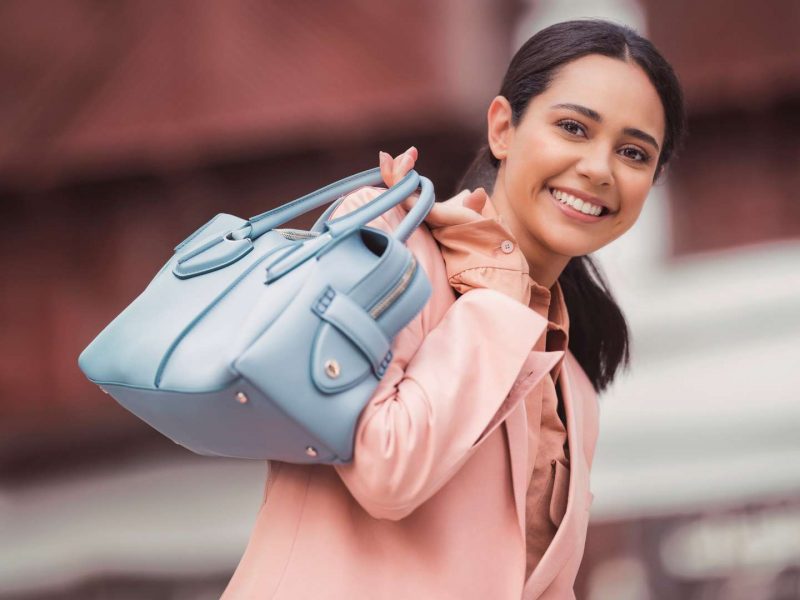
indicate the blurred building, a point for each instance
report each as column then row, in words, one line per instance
column 124, row 126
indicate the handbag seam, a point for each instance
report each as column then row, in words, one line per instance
column 278, row 407
column 196, row 233
column 189, row 326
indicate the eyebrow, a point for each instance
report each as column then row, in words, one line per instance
column 595, row 116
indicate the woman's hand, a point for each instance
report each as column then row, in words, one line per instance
column 394, row 169
column 464, row 207
column 505, row 273
column 461, row 208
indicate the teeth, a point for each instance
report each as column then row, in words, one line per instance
column 576, row 203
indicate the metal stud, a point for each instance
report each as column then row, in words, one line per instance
column 311, row 451
column 241, row 398
column 332, row 368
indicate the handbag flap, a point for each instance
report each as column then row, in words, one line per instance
column 336, row 362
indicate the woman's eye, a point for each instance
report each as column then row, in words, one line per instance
column 635, row 154
column 572, row 127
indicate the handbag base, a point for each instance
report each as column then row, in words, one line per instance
column 232, row 420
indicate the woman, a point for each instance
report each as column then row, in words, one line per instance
column 470, row 476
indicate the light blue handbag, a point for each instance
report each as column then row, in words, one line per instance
column 266, row 343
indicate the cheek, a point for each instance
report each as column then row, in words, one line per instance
column 632, row 197
column 537, row 158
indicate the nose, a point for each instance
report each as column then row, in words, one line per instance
column 595, row 166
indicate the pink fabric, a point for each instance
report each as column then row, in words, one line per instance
column 548, row 458
column 433, row 504
column 480, row 251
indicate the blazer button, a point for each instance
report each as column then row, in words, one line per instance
column 507, row 246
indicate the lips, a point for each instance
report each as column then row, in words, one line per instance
column 575, row 214
column 583, row 196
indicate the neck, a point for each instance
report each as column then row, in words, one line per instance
column 544, row 265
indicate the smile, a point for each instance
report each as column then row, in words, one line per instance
column 577, row 208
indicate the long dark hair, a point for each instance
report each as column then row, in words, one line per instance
column 598, row 335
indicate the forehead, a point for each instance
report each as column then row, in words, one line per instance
column 620, row 91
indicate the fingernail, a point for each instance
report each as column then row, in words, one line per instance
column 410, row 149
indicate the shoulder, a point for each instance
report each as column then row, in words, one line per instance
column 387, row 221
column 357, row 198
column 421, row 243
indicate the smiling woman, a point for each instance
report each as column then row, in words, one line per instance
column 470, row 471
column 582, row 140
column 588, row 115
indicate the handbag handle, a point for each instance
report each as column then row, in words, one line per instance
column 260, row 224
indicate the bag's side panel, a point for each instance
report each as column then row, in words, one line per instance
column 238, row 422
column 202, row 356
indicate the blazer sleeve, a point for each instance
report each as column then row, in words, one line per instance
column 453, row 367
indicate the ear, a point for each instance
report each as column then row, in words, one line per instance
column 500, row 129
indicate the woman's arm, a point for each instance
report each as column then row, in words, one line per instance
column 454, row 365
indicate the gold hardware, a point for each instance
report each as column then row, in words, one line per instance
column 332, row 368
column 241, row 398
column 311, row 451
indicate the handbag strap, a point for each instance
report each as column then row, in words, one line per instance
column 260, row 224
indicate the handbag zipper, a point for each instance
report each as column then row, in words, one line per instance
column 297, row 234
column 387, row 299
column 398, row 288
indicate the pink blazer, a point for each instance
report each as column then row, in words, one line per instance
column 432, row 506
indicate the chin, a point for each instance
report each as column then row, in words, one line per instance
column 567, row 245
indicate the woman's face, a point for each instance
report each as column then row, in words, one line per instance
column 594, row 135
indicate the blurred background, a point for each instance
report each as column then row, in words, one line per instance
column 126, row 125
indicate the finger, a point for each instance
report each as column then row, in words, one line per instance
column 444, row 213
column 409, row 202
column 458, row 199
column 402, row 165
column 476, row 200
column 385, row 161
column 412, row 152
column 411, row 155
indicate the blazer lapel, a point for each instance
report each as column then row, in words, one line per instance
column 517, row 430
column 565, row 537
column 538, row 364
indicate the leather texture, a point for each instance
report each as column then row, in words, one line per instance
column 259, row 342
